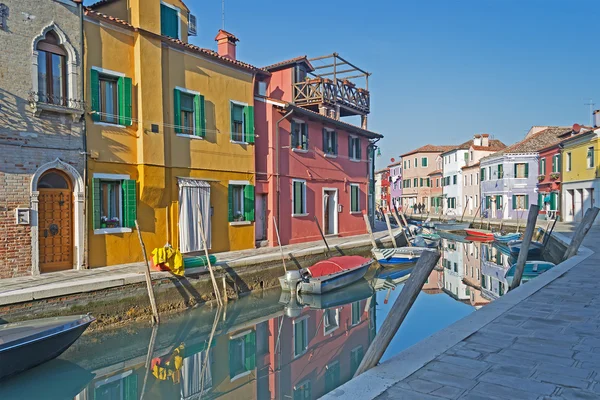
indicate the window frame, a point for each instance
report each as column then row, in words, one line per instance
column 234, row 103
column 424, row 162
column 355, row 148
column 304, row 321
column 117, row 178
column 524, row 170
column 556, row 163
column 115, row 102
column 590, row 157
column 568, row 166
column 355, row 186
column 331, row 139
column 113, row 74
column 337, row 321
column 179, row 21
column 352, row 322
column 304, row 209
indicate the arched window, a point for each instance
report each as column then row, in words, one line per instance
column 53, row 180
column 52, row 70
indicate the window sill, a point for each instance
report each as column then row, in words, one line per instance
column 300, row 215
column 327, row 155
column 40, row 107
column 182, row 135
column 329, row 332
column 240, row 223
column 356, row 212
column 355, row 160
column 108, row 231
column 238, row 376
column 237, row 142
column 301, row 354
column 300, row 150
column 109, row 124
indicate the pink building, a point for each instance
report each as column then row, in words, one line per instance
column 309, row 163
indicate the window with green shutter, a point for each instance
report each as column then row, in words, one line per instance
column 242, row 354
column 237, row 122
column 356, row 312
column 424, row 161
column 482, row 174
column 521, row 170
column 300, row 336
column 356, row 356
column 543, row 165
column 500, row 171
column 330, row 145
column 415, row 182
column 520, row 202
column 554, row 201
column 298, row 197
column 111, row 98
column 169, row 21
column 499, row 204
column 299, row 133
column 332, row 376
column 302, row 391
column 128, row 388
column 189, row 115
column 556, row 163
column 249, row 124
column 114, row 203
column 354, row 198
column 241, row 202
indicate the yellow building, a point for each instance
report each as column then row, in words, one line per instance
column 580, row 183
column 170, row 134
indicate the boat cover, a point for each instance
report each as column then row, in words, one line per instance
column 336, row 264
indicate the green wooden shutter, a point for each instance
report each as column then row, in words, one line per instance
column 124, row 93
column 294, row 138
column 514, row 202
column 200, row 115
column 304, row 137
column 250, row 351
column 526, row 170
column 297, row 197
column 359, row 149
column 130, row 387
column 96, row 198
column 350, row 139
column 559, row 162
column 515, row 170
column 325, row 144
column 230, row 200
column 421, row 182
column 482, row 174
column 177, row 110
column 163, row 20
column 129, row 203
column 249, row 203
column 553, row 201
column 498, row 202
column 249, row 123
column 526, row 202
column 540, row 200
column 335, row 143
column 95, row 94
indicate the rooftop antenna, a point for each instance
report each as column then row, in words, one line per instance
column 223, row 14
column 591, row 104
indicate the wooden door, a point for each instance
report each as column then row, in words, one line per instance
column 55, row 221
column 326, row 222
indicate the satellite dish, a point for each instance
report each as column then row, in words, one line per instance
column 392, row 159
column 576, row 127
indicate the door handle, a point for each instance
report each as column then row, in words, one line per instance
column 45, row 233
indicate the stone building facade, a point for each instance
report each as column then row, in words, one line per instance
column 41, row 137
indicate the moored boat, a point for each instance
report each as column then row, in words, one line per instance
column 452, row 226
column 509, row 237
column 430, row 240
column 401, row 255
column 24, row 345
column 535, row 248
column 326, row 275
column 531, row 270
column 479, row 233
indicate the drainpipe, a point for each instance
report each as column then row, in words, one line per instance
column 277, row 149
column 84, row 140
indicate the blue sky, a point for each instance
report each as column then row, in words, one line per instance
column 443, row 70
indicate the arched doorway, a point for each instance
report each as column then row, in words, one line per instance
column 55, row 219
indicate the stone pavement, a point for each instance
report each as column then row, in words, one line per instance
column 541, row 341
column 15, row 290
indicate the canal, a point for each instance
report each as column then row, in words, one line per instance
column 266, row 345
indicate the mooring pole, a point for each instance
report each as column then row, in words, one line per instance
column 279, row 242
column 322, row 236
column 387, row 222
column 524, row 252
column 399, row 310
column 208, row 263
column 369, row 230
column 395, row 214
column 155, row 318
column 581, row 231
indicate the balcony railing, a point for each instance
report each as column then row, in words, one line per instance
column 328, row 92
column 41, row 102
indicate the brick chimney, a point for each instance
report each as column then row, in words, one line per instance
column 485, row 140
column 226, row 44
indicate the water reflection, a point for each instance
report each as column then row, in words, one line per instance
column 268, row 345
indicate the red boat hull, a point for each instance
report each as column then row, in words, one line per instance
column 336, row 264
column 476, row 233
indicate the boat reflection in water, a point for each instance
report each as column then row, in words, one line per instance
column 267, row 345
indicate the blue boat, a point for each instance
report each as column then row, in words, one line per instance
column 402, row 255
column 509, row 237
column 535, row 248
column 531, row 270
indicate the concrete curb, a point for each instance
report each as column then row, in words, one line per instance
column 377, row 380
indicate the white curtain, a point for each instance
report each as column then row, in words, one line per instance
column 192, row 370
column 194, row 199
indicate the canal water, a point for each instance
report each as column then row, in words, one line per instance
column 266, row 345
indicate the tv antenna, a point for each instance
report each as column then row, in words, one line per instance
column 223, row 14
column 591, row 114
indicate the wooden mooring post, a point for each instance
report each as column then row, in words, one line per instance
column 387, row 222
column 524, row 252
column 327, row 253
column 581, row 231
column 399, row 310
column 395, row 214
column 155, row 318
column 279, row 242
column 208, row 263
column 369, row 230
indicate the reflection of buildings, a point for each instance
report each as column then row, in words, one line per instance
column 454, row 270
column 319, row 349
column 435, row 282
column 255, row 353
column 494, row 264
column 472, row 275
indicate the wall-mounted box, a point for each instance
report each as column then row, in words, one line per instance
column 22, row 216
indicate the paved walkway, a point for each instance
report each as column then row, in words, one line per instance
column 15, row 290
column 541, row 341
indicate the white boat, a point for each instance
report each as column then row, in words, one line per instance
column 401, row 255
